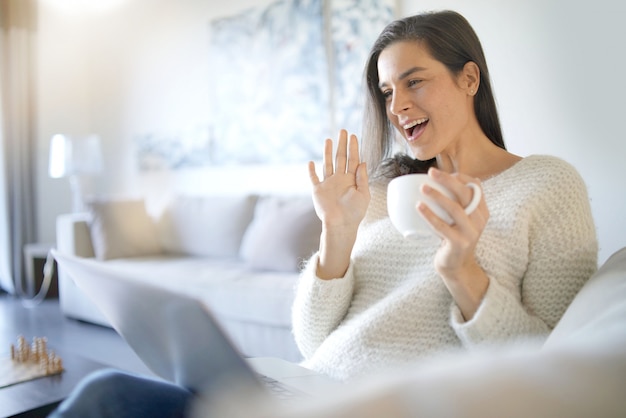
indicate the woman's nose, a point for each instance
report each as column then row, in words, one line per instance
column 399, row 103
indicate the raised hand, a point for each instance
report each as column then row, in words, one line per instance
column 341, row 199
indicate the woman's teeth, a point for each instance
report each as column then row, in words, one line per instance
column 415, row 123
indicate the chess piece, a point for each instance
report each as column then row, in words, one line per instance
column 34, row 351
column 37, row 354
column 23, row 350
column 51, row 361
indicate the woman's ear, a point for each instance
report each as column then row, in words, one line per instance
column 470, row 79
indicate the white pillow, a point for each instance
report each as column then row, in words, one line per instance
column 285, row 231
column 210, row 226
column 122, row 228
column 599, row 307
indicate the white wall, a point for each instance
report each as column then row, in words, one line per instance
column 556, row 68
column 141, row 67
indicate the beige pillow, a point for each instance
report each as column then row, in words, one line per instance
column 206, row 226
column 122, row 228
column 284, row 232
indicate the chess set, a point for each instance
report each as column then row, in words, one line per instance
column 29, row 361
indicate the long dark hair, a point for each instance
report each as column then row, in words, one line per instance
column 451, row 40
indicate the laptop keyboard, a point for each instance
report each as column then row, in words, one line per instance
column 279, row 389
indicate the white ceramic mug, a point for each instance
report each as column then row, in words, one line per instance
column 404, row 193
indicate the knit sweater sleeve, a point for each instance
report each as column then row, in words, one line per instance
column 319, row 306
column 561, row 253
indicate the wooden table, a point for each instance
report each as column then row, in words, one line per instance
column 38, row 397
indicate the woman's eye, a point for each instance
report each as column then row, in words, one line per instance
column 413, row 83
column 386, row 94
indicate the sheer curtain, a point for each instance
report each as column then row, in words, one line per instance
column 17, row 137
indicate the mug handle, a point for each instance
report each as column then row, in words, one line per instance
column 475, row 199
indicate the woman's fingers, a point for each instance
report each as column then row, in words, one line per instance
column 341, row 159
column 464, row 226
column 451, row 206
column 327, row 164
column 353, row 155
column 315, row 180
column 457, row 185
column 346, row 159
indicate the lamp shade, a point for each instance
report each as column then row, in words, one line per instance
column 70, row 156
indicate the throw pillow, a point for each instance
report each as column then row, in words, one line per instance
column 209, row 226
column 122, row 228
column 285, row 231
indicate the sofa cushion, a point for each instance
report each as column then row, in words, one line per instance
column 228, row 287
column 122, row 228
column 210, row 226
column 284, row 232
column 599, row 306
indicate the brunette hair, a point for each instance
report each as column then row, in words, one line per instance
column 450, row 40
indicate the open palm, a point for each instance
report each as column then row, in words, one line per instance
column 342, row 197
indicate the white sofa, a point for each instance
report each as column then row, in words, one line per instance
column 240, row 254
column 578, row 372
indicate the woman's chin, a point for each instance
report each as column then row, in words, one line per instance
column 419, row 154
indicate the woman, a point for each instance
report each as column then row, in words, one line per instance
column 370, row 299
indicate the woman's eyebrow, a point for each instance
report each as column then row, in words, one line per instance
column 405, row 74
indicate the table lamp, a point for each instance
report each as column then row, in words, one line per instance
column 79, row 159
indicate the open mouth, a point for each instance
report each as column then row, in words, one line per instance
column 415, row 128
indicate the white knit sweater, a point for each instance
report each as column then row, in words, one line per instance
column 391, row 308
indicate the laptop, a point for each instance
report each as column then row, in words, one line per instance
column 178, row 338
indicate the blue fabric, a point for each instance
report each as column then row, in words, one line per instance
column 111, row 393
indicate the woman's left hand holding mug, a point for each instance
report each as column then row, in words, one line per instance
column 455, row 260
